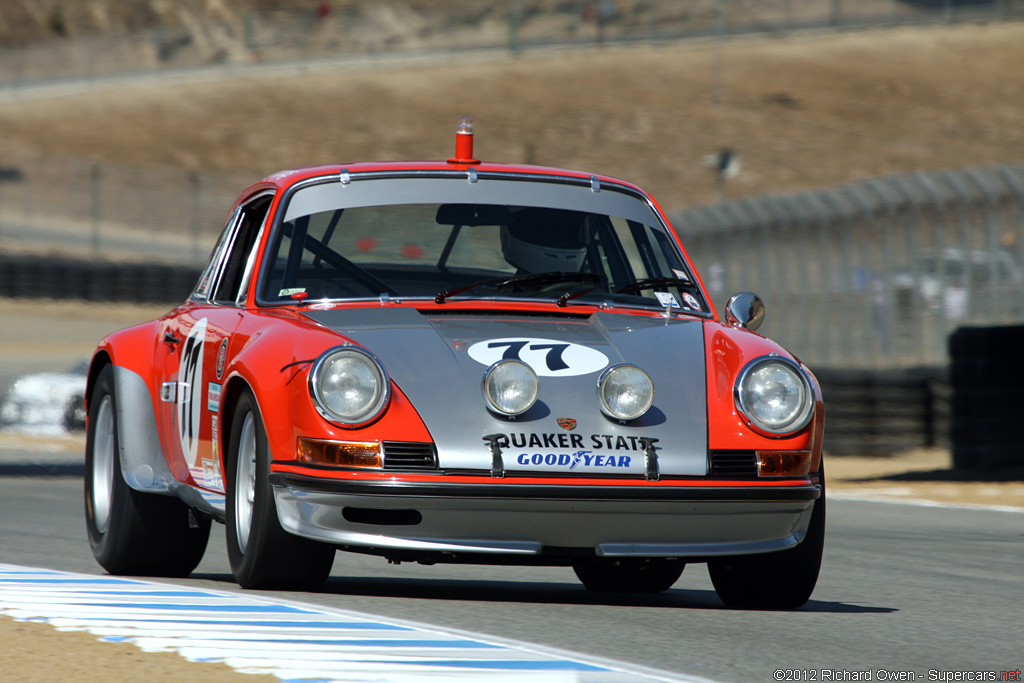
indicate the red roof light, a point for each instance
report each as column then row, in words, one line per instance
column 464, row 142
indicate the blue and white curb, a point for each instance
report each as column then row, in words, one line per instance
column 293, row 641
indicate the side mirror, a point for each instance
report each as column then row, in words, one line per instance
column 745, row 309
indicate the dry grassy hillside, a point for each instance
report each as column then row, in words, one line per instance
column 804, row 111
column 23, row 21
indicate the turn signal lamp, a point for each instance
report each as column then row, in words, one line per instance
column 464, row 142
column 783, row 463
column 339, row 453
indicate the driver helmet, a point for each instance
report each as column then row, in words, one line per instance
column 545, row 240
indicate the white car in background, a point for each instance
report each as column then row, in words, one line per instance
column 47, row 400
column 958, row 280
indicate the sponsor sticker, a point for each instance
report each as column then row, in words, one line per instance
column 667, row 299
column 570, row 461
column 212, row 478
column 691, row 301
column 564, row 452
column 222, row 358
column 563, row 441
column 213, row 397
column 547, row 357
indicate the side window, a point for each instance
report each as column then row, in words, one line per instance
column 235, row 265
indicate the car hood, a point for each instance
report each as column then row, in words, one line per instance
column 438, row 360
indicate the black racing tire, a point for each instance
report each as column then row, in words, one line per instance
column 130, row 532
column 261, row 553
column 774, row 581
column 629, row 575
column 73, row 419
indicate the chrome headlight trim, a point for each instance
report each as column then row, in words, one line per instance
column 495, row 374
column 372, row 407
column 644, row 385
column 798, row 416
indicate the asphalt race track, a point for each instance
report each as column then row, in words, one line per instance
column 931, row 591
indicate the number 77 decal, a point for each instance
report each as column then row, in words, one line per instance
column 547, row 357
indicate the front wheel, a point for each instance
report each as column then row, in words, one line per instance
column 262, row 554
column 629, row 575
column 131, row 532
column 780, row 580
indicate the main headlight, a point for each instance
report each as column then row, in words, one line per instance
column 349, row 386
column 510, row 387
column 625, row 392
column 774, row 395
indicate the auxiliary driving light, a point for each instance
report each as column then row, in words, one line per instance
column 510, row 387
column 625, row 391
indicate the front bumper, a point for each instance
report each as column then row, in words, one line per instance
column 520, row 518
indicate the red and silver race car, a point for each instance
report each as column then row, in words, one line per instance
column 457, row 361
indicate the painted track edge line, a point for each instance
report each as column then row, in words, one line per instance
column 512, row 644
column 922, row 502
column 616, row 665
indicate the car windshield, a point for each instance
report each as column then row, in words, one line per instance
column 452, row 251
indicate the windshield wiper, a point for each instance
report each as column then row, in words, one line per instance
column 652, row 282
column 543, row 279
column 440, row 297
column 524, row 279
column 569, row 296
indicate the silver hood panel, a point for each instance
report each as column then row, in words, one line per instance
column 439, row 363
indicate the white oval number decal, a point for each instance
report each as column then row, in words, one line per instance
column 547, row 357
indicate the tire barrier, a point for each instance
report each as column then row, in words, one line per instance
column 987, row 377
column 55, row 278
column 882, row 412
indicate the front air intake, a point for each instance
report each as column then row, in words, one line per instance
column 408, row 455
column 733, row 464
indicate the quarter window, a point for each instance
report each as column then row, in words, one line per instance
column 233, row 272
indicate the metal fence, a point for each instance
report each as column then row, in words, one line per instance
column 869, row 275
column 874, row 274
column 345, row 29
column 119, row 212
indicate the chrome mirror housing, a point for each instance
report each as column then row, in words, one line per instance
column 745, row 309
